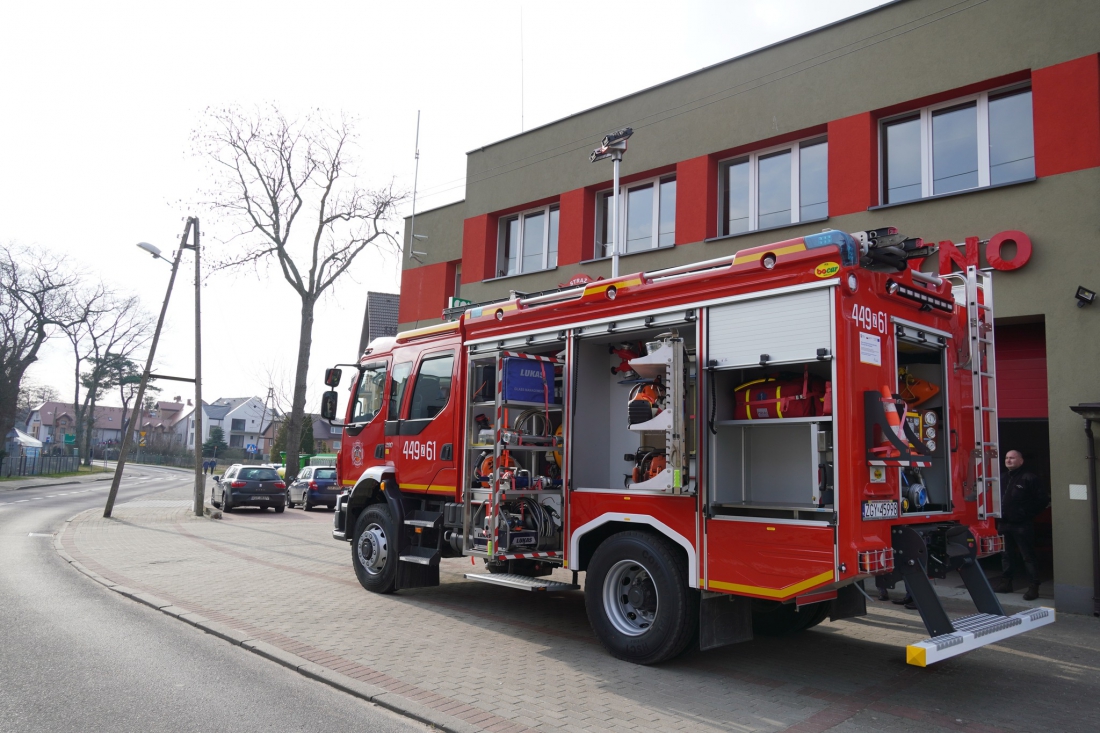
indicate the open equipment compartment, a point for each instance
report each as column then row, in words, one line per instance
column 922, row 375
column 512, row 492
column 770, row 406
column 634, row 422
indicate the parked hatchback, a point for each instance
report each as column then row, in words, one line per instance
column 315, row 485
column 248, row 486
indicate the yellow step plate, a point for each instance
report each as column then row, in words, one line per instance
column 975, row 631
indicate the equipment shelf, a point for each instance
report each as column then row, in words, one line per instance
column 776, row 421
column 517, row 404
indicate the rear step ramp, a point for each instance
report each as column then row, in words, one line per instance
column 521, row 582
column 975, row 631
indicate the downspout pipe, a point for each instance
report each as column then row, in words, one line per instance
column 1091, row 412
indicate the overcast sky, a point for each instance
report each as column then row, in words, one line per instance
column 100, row 100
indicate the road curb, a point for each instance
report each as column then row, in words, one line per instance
column 363, row 690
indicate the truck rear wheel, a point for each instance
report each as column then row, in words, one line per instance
column 374, row 549
column 770, row 618
column 638, row 600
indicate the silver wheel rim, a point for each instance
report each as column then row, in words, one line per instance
column 373, row 549
column 630, row 598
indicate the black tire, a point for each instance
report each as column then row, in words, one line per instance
column 656, row 619
column 279, row 508
column 289, row 500
column 227, row 501
column 307, row 505
column 217, row 504
column 770, row 618
column 331, row 507
column 374, row 549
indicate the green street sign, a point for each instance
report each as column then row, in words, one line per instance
column 70, row 440
column 459, row 302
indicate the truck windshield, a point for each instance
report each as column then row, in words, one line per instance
column 370, row 394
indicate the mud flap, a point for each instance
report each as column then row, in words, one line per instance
column 409, row 575
column 850, row 602
column 723, row 620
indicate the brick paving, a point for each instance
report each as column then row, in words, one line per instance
column 480, row 657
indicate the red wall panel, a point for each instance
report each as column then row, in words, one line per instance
column 1021, row 371
column 425, row 290
column 696, row 199
column 853, row 164
column 576, row 226
column 479, row 238
column 1066, row 109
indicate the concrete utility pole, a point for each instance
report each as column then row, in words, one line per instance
column 139, row 400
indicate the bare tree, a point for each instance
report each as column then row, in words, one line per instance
column 34, row 303
column 271, row 172
column 31, row 395
column 110, row 328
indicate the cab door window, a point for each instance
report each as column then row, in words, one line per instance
column 398, row 379
column 432, row 390
column 370, row 394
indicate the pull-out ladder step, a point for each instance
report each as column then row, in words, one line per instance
column 976, row 631
column 521, row 582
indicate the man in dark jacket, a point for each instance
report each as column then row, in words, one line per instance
column 1023, row 497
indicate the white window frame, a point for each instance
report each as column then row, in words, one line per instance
column 753, row 159
column 602, row 247
column 522, row 216
column 926, row 113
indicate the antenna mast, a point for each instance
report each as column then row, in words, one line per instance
column 416, row 175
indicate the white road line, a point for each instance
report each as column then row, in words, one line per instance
column 20, row 501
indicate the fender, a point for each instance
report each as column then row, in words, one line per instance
column 370, row 480
column 664, row 529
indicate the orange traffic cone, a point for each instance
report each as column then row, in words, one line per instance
column 894, row 421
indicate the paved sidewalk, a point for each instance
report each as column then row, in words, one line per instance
column 469, row 657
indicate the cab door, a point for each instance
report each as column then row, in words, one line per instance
column 423, row 449
column 364, row 438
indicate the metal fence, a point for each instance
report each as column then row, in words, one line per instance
column 38, row 465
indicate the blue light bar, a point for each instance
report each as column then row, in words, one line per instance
column 843, row 242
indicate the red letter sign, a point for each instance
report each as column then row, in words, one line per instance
column 993, row 250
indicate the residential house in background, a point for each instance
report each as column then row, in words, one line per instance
column 51, row 422
column 239, row 418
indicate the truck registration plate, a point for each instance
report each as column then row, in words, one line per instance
column 880, row 509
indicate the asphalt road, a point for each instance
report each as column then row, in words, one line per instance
column 75, row 656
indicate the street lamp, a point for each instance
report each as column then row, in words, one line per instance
column 190, row 231
column 613, row 146
column 1091, row 412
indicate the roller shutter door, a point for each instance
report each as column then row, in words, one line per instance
column 787, row 328
column 1021, row 371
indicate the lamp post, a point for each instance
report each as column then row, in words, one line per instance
column 613, row 146
column 1091, row 412
column 190, row 230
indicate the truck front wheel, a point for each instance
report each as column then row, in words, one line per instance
column 638, row 600
column 374, row 549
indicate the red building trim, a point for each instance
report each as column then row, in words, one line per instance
column 479, row 239
column 425, row 290
column 853, row 164
column 1066, row 107
column 576, row 226
column 696, row 199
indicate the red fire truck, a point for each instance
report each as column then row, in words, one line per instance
column 726, row 448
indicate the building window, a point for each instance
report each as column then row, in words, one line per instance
column 983, row 140
column 528, row 242
column 237, row 425
column 774, row 187
column 236, row 441
column 645, row 208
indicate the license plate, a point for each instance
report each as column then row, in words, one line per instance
column 880, row 509
column 260, row 498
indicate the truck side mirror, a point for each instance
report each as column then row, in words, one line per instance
column 332, row 377
column 329, row 399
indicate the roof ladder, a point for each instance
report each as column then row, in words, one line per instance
column 983, row 371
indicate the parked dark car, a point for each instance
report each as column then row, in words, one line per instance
column 248, row 486
column 314, row 486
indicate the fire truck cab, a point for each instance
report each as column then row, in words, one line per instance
column 729, row 447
